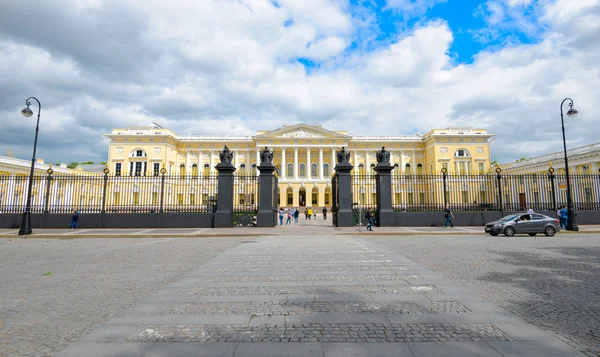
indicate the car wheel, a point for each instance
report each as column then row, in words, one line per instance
column 532, row 234
column 550, row 231
column 493, row 234
column 509, row 231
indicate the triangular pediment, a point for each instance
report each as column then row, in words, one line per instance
column 301, row 131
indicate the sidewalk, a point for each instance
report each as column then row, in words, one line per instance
column 307, row 228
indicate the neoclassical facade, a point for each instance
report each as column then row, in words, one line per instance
column 303, row 153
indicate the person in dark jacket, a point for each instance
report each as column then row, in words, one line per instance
column 74, row 220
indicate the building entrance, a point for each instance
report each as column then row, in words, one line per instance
column 302, row 197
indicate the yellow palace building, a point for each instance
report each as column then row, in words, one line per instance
column 304, row 155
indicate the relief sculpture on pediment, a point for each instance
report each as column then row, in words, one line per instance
column 301, row 134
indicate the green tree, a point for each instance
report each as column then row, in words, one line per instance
column 103, row 163
column 87, row 163
column 73, row 165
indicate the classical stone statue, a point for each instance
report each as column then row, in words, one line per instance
column 343, row 156
column 266, row 156
column 226, row 155
column 383, row 156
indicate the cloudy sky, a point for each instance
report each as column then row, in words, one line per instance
column 230, row 67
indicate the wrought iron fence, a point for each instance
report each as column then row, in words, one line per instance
column 245, row 197
column 364, row 191
column 113, row 194
column 493, row 192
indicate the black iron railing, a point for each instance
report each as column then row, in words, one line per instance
column 364, row 192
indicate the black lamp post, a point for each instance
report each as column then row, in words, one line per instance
column 571, row 223
column 499, row 180
column 444, row 173
column 26, row 223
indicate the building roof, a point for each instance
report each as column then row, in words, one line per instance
column 90, row 167
column 555, row 157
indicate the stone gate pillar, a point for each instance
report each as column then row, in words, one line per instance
column 345, row 215
column 383, row 182
column 224, row 213
column 266, row 191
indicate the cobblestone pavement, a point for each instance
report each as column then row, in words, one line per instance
column 290, row 309
column 322, row 333
column 55, row 291
column 551, row 282
column 331, row 297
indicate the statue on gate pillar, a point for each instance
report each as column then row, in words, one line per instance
column 343, row 156
column 383, row 156
column 226, row 155
column 266, row 156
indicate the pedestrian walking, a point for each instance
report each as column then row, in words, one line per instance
column 449, row 217
column 281, row 216
column 306, row 214
column 369, row 217
column 325, row 213
column 529, row 210
column 310, row 213
column 74, row 220
column 564, row 217
column 296, row 215
column 289, row 217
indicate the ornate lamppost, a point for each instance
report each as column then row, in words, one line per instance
column 572, row 112
column 499, row 181
column 26, row 222
column 444, row 173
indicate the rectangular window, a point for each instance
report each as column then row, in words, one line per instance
column 588, row 194
column 481, row 168
column 138, row 169
column 482, row 197
column 154, row 198
column 136, row 198
column 117, row 198
column 398, row 197
column 421, row 198
column 180, row 198
column 204, row 198
column 327, row 202
column 192, row 199
column 315, row 199
column 241, row 199
column 410, row 198
column 118, row 169
column 156, row 168
column 290, row 198
column 465, row 196
column 252, row 199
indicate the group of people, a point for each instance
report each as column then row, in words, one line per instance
column 292, row 214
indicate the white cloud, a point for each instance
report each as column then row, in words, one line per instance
column 228, row 67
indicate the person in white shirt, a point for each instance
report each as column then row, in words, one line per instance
column 529, row 210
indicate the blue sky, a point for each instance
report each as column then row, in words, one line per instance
column 232, row 67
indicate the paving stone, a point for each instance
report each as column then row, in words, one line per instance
column 337, row 349
column 192, row 349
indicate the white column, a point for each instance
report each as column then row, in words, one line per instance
column 283, row 165
column 308, row 167
column 402, row 164
column 413, row 164
column 257, row 159
column 187, row 162
column 595, row 174
column 355, row 163
column 320, row 163
column 391, row 157
column 237, row 160
column 212, row 161
column 295, row 163
column 144, row 163
column 367, row 167
column 332, row 167
column 248, row 163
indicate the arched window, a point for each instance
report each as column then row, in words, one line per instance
column 206, row 170
column 290, row 170
column 138, row 153
column 419, row 169
column 182, row 170
column 302, row 170
column 242, row 169
column 325, row 170
column 313, row 170
column 407, row 169
column 461, row 153
column 361, row 168
column 195, row 170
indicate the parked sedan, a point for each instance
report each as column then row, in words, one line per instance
column 531, row 224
